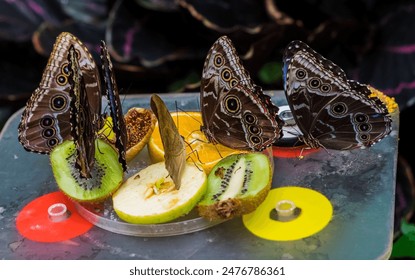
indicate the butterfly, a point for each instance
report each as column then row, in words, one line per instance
column 83, row 129
column 173, row 143
column 235, row 111
column 114, row 104
column 45, row 121
column 331, row 111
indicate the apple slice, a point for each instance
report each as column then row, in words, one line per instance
column 150, row 196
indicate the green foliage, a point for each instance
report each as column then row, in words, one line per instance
column 270, row 73
column 404, row 247
column 180, row 85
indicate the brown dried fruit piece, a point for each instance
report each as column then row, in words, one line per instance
column 140, row 123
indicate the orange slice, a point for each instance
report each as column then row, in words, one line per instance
column 198, row 149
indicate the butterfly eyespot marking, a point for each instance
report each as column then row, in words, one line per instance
column 364, row 137
column 300, row 74
column 325, row 88
column 52, row 142
column 48, row 133
column 218, row 60
column 256, row 139
column 361, row 118
column 65, row 69
column 46, row 121
column 62, row 80
column 233, row 82
column 314, row 83
column 77, row 53
column 339, row 108
column 226, row 74
column 232, row 104
column 58, row 103
column 254, row 129
column 249, row 118
column 365, row 127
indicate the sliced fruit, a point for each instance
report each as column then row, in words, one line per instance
column 237, row 185
column 173, row 143
column 150, row 197
column 140, row 124
column 106, row 131
column 200, row 151
column 107, row 173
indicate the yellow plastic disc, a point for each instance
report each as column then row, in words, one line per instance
column 289, row 213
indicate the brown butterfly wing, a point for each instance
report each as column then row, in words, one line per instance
column 221, row 71
column 45, row 119
column 330, row 110
column 173, row 143
column 41, row 127
column 244, row 121
column 225, row 83
column 81, row 118
column 114, row 104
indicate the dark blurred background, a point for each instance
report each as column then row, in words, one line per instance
column 160, row 46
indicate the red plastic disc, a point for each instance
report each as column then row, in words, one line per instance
column 291, row 152
column 51, row 218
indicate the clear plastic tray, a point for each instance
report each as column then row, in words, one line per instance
column 105, row 218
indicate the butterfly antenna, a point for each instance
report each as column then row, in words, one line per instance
column 193, row 151
column 107, row 131
column 205, row 142
column 187, row 113
column 194, row 162
column 218, row 151
column 124, row 96
column 327, row 151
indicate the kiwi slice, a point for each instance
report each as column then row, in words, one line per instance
column 107, row 173
column 150, row 196
column 237, row 185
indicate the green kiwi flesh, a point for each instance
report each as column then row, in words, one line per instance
column 237, row 185
column 107, row 173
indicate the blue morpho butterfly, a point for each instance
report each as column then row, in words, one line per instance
column 46, row 120
column 83, row 130
column 235, row 111
column 114, row 103
column 81, row 117
column 331, row 111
